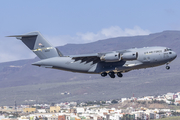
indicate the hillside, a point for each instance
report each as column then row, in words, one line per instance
column 144, row 105
column 171, row 118
column 21, row 81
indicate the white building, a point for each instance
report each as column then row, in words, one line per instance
column 80, row 110
column 169, row 96
column 41, row 110
column 123, row 99
column 168, row 102
column 157, row 116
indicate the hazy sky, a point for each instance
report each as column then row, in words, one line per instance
column 81, row 21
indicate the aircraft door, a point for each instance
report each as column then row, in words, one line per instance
column 147, row 59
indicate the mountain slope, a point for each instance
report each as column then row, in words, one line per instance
column 19, row 80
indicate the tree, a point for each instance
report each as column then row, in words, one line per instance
column 103, row 102
column 114, row 101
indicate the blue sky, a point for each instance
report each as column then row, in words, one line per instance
column 81, row 21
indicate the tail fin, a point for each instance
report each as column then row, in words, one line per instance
column 42, row 48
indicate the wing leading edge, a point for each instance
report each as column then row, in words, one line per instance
column 94, row 58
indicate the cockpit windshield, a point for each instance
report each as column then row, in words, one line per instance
column 167, row 49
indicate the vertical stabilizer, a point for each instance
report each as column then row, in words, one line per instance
column 42, row 48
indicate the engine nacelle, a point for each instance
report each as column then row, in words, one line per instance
column 129, row 56
column 111, row 57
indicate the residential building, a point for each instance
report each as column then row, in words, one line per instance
column 29, row 110
column 55, row 109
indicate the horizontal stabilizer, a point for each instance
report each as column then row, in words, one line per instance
column 21, row 36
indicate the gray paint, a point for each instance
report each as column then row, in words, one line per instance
column 35, row 42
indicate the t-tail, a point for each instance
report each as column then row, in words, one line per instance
column 36, row 42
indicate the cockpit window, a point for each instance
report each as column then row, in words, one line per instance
column 167, row 49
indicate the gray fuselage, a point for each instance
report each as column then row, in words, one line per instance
column 147, row 57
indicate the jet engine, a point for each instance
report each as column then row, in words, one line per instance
column 111, row 57
column 129, row 56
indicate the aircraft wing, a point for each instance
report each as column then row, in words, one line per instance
column 95, row 58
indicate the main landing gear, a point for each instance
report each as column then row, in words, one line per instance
column 104, row 74
column 119, row 74
column 112, row 74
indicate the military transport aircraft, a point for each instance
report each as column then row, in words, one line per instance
column 109, row 63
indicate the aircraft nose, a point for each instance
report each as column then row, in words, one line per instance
column 174, row 55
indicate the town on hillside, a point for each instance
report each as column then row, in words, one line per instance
column 141, row 108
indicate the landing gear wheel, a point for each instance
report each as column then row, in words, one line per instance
column 111, row 74
column 167, row 67
column 103, row 74
column 119, row 74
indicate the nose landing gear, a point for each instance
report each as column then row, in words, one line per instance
column 167, row 67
